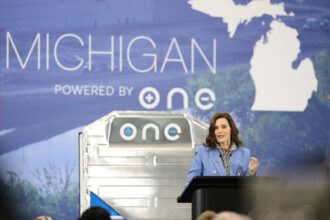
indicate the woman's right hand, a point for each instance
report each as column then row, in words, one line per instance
column 253, row 166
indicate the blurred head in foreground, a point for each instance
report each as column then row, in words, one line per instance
column 44, row 217
column 95, row 213
column 226, row 215
column 207, row 215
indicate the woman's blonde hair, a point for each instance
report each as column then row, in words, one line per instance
column 44, row 217
column 207, row 215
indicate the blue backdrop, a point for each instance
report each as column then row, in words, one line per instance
column 66, row 63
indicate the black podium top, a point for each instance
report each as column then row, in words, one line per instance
column 223, row 181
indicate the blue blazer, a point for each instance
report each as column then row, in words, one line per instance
column 207, row 162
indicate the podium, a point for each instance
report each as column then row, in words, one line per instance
column 227, row 193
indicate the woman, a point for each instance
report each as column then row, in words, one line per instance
column 222, row 154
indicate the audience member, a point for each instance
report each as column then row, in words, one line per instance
column 207, row 215
column 44, row 217
column 95, row 213
column 227, row 215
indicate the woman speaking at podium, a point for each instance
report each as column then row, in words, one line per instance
column 222, row 154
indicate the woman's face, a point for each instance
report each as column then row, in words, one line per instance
column 222, row 131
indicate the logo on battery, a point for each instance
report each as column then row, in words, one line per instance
column 172, row 131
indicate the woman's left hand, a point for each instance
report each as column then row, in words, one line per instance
column 253, row 166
